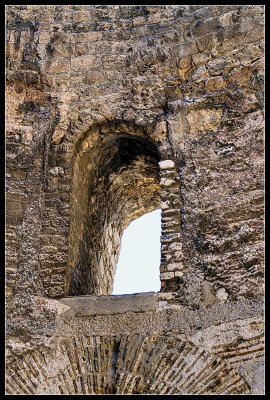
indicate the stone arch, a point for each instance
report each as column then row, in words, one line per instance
column 65, row 233
column 124, row 364
column 115, row 179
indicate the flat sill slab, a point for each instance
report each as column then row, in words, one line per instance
column 146, row 313
column 115, row 304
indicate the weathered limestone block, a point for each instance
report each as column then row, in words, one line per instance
column 166, row 164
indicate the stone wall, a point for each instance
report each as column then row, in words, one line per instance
column 112, row 112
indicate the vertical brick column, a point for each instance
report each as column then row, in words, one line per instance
column 171, row 266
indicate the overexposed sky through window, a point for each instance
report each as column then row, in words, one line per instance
column 138, row 266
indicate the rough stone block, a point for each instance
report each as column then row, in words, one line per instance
column 166, row 164
column 83, row 62
column 166, row 275
column 167, row 182
column 175, row 266
column 16, row 205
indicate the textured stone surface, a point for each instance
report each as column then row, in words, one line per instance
column 112, row 112
column 94, row 305
column 216, row 349
column 134, row 364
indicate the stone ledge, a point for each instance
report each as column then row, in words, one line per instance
column 115, row 304
column 146, row 312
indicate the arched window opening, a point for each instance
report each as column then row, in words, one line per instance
column 115, row 181
column 139, row 261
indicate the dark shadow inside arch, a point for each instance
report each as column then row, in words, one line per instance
column 115, row 182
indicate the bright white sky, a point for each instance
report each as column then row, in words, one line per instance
column 138, row 266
